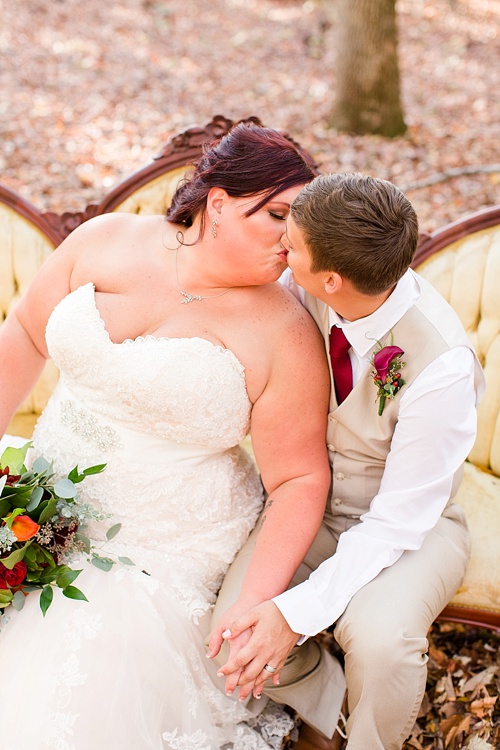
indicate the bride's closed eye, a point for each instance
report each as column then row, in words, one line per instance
column 279, row 217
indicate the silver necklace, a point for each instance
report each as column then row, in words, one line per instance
column 192, row 297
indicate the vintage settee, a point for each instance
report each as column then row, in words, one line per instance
column 461, row 260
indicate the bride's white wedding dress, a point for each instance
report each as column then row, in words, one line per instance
column 128, row 671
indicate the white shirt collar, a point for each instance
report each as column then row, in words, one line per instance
column 363, row 334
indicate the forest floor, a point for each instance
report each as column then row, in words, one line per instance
column 90, row 92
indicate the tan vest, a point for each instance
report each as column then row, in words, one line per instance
column 358, row 438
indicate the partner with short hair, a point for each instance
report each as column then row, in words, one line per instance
column 393, row 547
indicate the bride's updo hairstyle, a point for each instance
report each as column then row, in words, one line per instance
column 249, row 160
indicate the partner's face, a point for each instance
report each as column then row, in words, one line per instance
column 257, row 238
column 299, row 259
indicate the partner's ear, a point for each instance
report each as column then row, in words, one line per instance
column 215, row 200
column 333, row 282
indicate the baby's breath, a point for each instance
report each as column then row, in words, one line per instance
column 7, row 539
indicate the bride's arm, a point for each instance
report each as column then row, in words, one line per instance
column 22, row 335
column 289, row 440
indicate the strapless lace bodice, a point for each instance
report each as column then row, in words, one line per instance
column 187, row 390
column 166, row 416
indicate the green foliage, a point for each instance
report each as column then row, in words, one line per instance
column 43, row 514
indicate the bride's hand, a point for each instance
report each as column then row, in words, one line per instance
column 271, row 641
column 235, row 644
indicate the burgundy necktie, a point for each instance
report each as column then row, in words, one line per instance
column 341, row 363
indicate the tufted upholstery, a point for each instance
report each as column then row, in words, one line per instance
column 154, row 197
column 463, row 262
column 25, row 242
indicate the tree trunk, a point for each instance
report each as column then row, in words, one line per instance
column 367, row 96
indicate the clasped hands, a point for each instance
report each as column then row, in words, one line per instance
column 256, row 637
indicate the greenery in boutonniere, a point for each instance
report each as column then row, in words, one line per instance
column 387, row 363
column 42, row 520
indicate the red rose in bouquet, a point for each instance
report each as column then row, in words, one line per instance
column 11, row 578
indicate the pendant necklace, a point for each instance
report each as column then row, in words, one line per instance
column 192, row 297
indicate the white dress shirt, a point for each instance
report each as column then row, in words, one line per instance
column 418, row 475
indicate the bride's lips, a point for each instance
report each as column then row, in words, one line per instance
column 283, row 255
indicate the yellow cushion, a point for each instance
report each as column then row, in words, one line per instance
column 467, row 274
column 155, row 196
column 479, row 495
column 23, row 249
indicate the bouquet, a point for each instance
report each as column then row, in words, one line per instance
column 42, row 523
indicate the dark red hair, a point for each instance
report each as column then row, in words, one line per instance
column 249, row 160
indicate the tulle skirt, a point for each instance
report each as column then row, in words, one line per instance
column 125, row 671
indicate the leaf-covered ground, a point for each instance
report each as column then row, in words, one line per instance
column 90, row 91
column 460, row 707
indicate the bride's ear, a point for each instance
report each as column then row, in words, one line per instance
column 215, row 200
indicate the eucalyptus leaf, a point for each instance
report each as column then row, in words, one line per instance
column 35, row 498
column 103, row 563
column 28, row 477
column 41, row 465
column 113, row 531
column 65, row 488
column 84, row 540
column 73, row 593
column 126, row 561
column 18, row 601
column 46, row 599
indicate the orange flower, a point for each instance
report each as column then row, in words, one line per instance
column 24, row 528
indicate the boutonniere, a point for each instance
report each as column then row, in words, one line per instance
column 387, row 362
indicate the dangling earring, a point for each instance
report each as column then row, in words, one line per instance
column 214, row 230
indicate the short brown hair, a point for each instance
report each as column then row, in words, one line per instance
column 362, row 227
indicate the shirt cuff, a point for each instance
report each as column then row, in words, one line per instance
column 303, row 610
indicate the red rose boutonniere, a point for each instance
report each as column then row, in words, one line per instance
column 387, row 362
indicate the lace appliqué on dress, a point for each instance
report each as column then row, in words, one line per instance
column 78, row 627
column 86, row 425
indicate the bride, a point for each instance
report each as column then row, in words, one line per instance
column 172, row 341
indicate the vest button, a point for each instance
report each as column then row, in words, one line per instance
column 339, row 476
column 331, row 447
column 337, row 501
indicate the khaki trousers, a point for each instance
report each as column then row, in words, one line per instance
column 383, row 633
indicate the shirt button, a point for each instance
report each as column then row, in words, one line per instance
column 330, row 447
column 337, row 501
column 332, row 419
column 339, row 476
